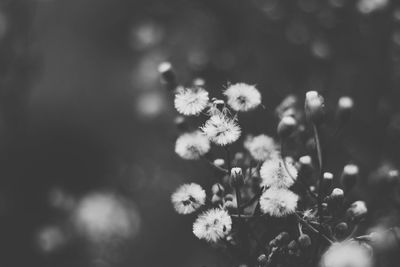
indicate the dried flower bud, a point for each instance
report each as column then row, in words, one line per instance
column 217, row 189
column 218, row 103
column 337, row 193
column 341, row 230
column 344, row 109
column 349, row 176
column 237, row 178
column 314, row 107
column 168, row 77
column 304, row 241
column 287, row 126
column 357, row 210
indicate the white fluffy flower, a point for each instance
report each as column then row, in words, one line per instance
column 192, row 145
column 188, row 198
column 243, row 97
column 274, row 174
column 221, row 130
column 212, row 225
column 191, row 101
column 278, row 202
column 348, row 254
column 261, row 147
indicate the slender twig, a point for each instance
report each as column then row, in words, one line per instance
column 320, row 176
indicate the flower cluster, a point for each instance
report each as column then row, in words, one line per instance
column 262, row 183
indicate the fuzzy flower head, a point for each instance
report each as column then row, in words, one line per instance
column 261, row 147
column 212, row 225
column 348, row 254
column 221, row 130
column 243, row 97
column 191, row 101
column 274, row 174
column 192, row 145
column 278, row 202
column 188, row 198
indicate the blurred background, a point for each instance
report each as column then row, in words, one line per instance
column 87, row 161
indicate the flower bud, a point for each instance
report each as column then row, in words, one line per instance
column 306, row 170
column 199, row 82
column 215, row 199
column 218, row 103
column 293, row 245
column 349, row 176
column 217, row 189
column 344, row 109
column 286, row 126
column 219, row 162
column 262, row 259
column 181, row 123
column 239, row 159
column 341, row 230
column 327, row 182
column 335, row 199
column 314, row 107
column 168, row 77
column 282, row 238
column 357, row 210
column 237, row 178
column 304, row 241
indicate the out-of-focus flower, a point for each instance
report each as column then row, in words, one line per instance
column 357, row 210
column 188, row 198
column 261, row 147
column 167, row 75
column 219, row 162
column 102, row 216
column 274, row 174
column 369, row 6
column 278, row 202
column 288, row 107
column 243, row 97
column 348, row 254
column 212, row 225
column 286, row 126
column 221, row 130
column 191, row 101
column 314, row 106
column 192, row 145
column 51, row 238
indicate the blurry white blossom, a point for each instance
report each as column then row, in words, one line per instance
column 221, row 130
column 212, row 225
column 50, row 238
column 348, row 254
column 278, row 202
column 261, row 147
column 243, row 97
column 274, row 173
column 192, row 145
column 191, row 101
column 369, row 6
column 188, row 198
column 102, row 216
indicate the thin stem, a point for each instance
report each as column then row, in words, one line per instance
column 253, row 199
column 215, row 166
column 307, row 188
column 320, row 176
column 228, row 159
column 309, row 226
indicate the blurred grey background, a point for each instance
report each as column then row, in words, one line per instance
column 84, row 119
